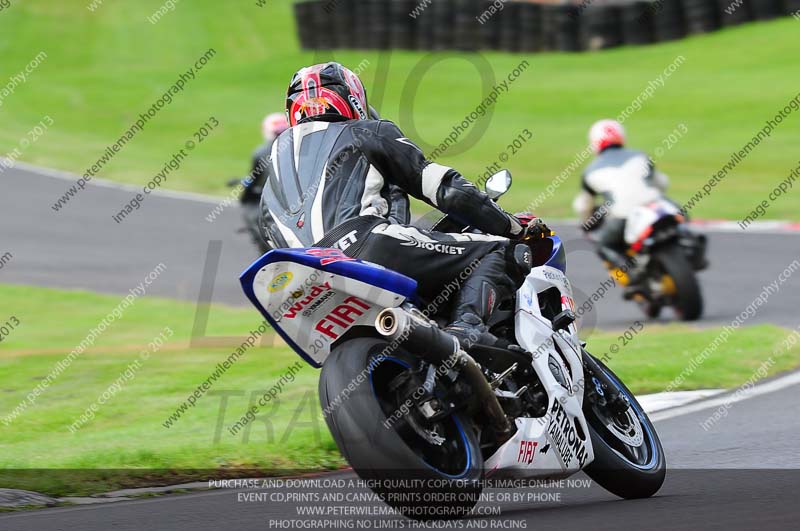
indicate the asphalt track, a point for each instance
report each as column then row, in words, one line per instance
column 82, row 247
column 743, row 473
column 724, row 478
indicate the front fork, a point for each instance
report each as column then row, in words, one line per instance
column 599, row 389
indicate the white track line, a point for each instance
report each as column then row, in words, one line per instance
column 104, row 183
column 730, row 397
column 669, row 400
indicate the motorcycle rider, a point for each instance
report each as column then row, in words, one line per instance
column 340, row 179
column 273, row 125
column 625, row 179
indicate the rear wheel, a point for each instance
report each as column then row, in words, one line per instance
column 651, row 308
column 687, row 299
column 367, row 391
column 628, row 458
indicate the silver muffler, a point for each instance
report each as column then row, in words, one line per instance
column 410, row 328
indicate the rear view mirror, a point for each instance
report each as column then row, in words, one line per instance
column 498, row 184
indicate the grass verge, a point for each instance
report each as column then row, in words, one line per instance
column 127, row 444
column 105, row 67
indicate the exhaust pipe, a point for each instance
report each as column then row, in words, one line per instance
column 410, row 328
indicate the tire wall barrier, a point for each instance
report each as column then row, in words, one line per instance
column 519, row 25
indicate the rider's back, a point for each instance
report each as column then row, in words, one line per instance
column 626, row 178
column 324, row 173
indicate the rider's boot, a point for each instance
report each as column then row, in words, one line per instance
column 480, row 295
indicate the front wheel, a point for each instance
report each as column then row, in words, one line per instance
column 425, row 469
column 628, row 458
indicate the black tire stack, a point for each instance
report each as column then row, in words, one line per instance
column 560, row 28
column 521, row 25
column 766, row 9
column 361, row 38
column 303, row 12
column 530, row 24
column 700, row 15
column 424, row 29
column 731, row 13
column 321, row 17
column 401, row 25
column 488, row 29
column 636, row 22
column 467, row 30
column 511, row 34
column 791, row 7
column 601, row 27
column 375, row 33
column 668, row 21
column 443, row 20
column 340, row 21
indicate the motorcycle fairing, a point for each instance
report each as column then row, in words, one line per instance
column 558, row 257
column 313, row 296
column 642, row 218
column 557, row 444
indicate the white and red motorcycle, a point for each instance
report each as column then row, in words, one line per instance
column 424, row 422
column 668, row 255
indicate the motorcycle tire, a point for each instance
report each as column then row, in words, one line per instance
column 611, row 469
column 688, row 299
column 650, row 308
column 358, row 402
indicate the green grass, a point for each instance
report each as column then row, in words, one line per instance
column 127, row 432
column 106, row 67
column 654, row 360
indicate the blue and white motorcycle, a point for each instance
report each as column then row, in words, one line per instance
column 426, row 423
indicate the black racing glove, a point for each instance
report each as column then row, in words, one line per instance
column 533, row 228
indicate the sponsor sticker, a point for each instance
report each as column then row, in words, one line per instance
column 316, row 297
column 348, row 240
column 527, row 451
column 565, row 437
column 340, row 319
column 280, row 282
column 357, row 106
column 436, row 247
column 329, row 256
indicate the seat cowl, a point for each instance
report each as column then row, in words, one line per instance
column 336, row 262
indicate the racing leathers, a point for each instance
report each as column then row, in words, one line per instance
column 251, row 195
column 624, row 179
column 345, row 184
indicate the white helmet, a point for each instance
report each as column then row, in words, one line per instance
column 273, row 125
column 606, row 133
